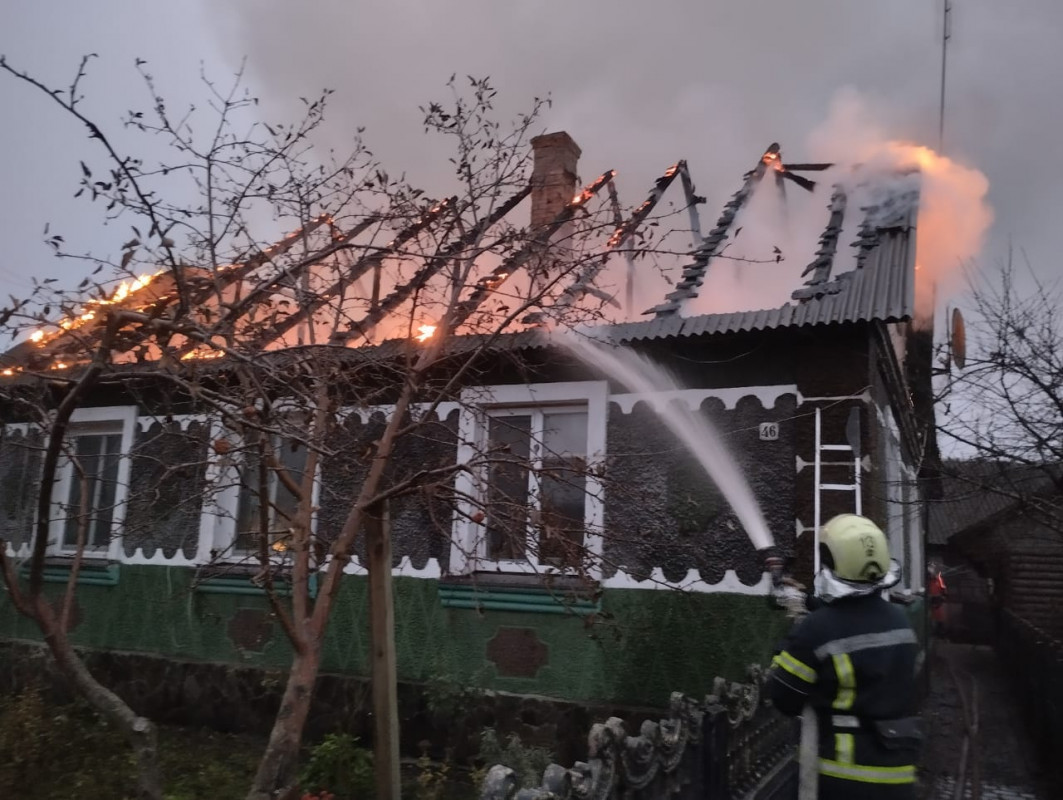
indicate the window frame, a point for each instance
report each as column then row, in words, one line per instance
column 479, row 405
column 221, row 508
column 123, row 419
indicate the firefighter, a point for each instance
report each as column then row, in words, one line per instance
column 938, row 594
column 853, row 662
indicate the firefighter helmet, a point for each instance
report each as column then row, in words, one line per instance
column 854, row 548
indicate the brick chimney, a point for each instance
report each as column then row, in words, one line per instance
column 554, row 178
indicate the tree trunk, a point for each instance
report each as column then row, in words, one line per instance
column 384, row 671
column 139, row 730
column 276, row 771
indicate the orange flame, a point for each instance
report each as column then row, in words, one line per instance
column 124, row 290
column 202, row 355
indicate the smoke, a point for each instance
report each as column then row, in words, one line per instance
column 882, row 176
column 771, row 242
column 954, row 211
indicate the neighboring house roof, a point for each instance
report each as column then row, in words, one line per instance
column 978, row 492
column 878, row 287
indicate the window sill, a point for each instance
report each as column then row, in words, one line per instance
column 92, row 572
column 526, row 593
column 241, row 580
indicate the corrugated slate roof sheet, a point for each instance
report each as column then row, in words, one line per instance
column 882, row 289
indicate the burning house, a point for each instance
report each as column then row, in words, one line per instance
column 553, row 536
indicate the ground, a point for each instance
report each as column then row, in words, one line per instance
column 1004, row 754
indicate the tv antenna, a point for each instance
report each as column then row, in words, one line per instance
column 946, row 34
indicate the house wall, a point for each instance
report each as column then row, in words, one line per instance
column 682, row 596
column 832, row 374
column 634, row 639
column 1015, row 564
column 663, row 511
column 640, row 646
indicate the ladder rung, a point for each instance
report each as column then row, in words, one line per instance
column 835, row 447
column 838, row 487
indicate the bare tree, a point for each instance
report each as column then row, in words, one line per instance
column 1004, row 408
column 382, row 298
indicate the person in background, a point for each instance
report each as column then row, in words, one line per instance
column 938, row 592
column 853, row 662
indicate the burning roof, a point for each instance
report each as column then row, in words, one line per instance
column 270, row 297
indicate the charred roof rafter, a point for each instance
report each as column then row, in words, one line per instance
column 822, row 264
column 440, row 259
column 314, row 302
column 694, row 275
column 625, row 230
column 263, row 288
column 489, row 284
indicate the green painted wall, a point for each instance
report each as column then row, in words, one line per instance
column 644, row 645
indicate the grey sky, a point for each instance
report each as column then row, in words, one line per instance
column 637, row 84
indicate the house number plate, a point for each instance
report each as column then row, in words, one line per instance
column 769, row 431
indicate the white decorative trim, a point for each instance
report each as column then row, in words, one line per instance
column 442, row 411
column 864, row 396
column 21, row 428
column 21, row 552
column 431, row 571
column 183, row 421
column 767, row 395
column 158, row 559
column 365, row 413
column 729, row 584
column 417, row 410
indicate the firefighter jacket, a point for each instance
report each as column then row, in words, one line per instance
column 854, row 661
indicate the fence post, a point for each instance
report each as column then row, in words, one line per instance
column 715, row 762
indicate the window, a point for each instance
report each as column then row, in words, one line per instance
column 92, row 482
column 282, row 503
column 234, row 511
column 533, row 499
column 536, row 484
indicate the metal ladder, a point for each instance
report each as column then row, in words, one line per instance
column 821, row 487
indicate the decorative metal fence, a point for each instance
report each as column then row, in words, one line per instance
column 731, row 746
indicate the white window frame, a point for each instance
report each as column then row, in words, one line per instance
column 123, row 419
column 221, row 507
column 469, row 544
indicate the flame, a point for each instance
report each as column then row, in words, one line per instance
column 126, row 288
column 7, row 373
column 425, row 332
column 202, row 355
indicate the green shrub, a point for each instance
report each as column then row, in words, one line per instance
column 338, row 765
column 57, row 752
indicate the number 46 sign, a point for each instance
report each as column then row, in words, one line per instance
column 769, row 431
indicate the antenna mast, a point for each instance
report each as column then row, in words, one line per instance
column 946, row 34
